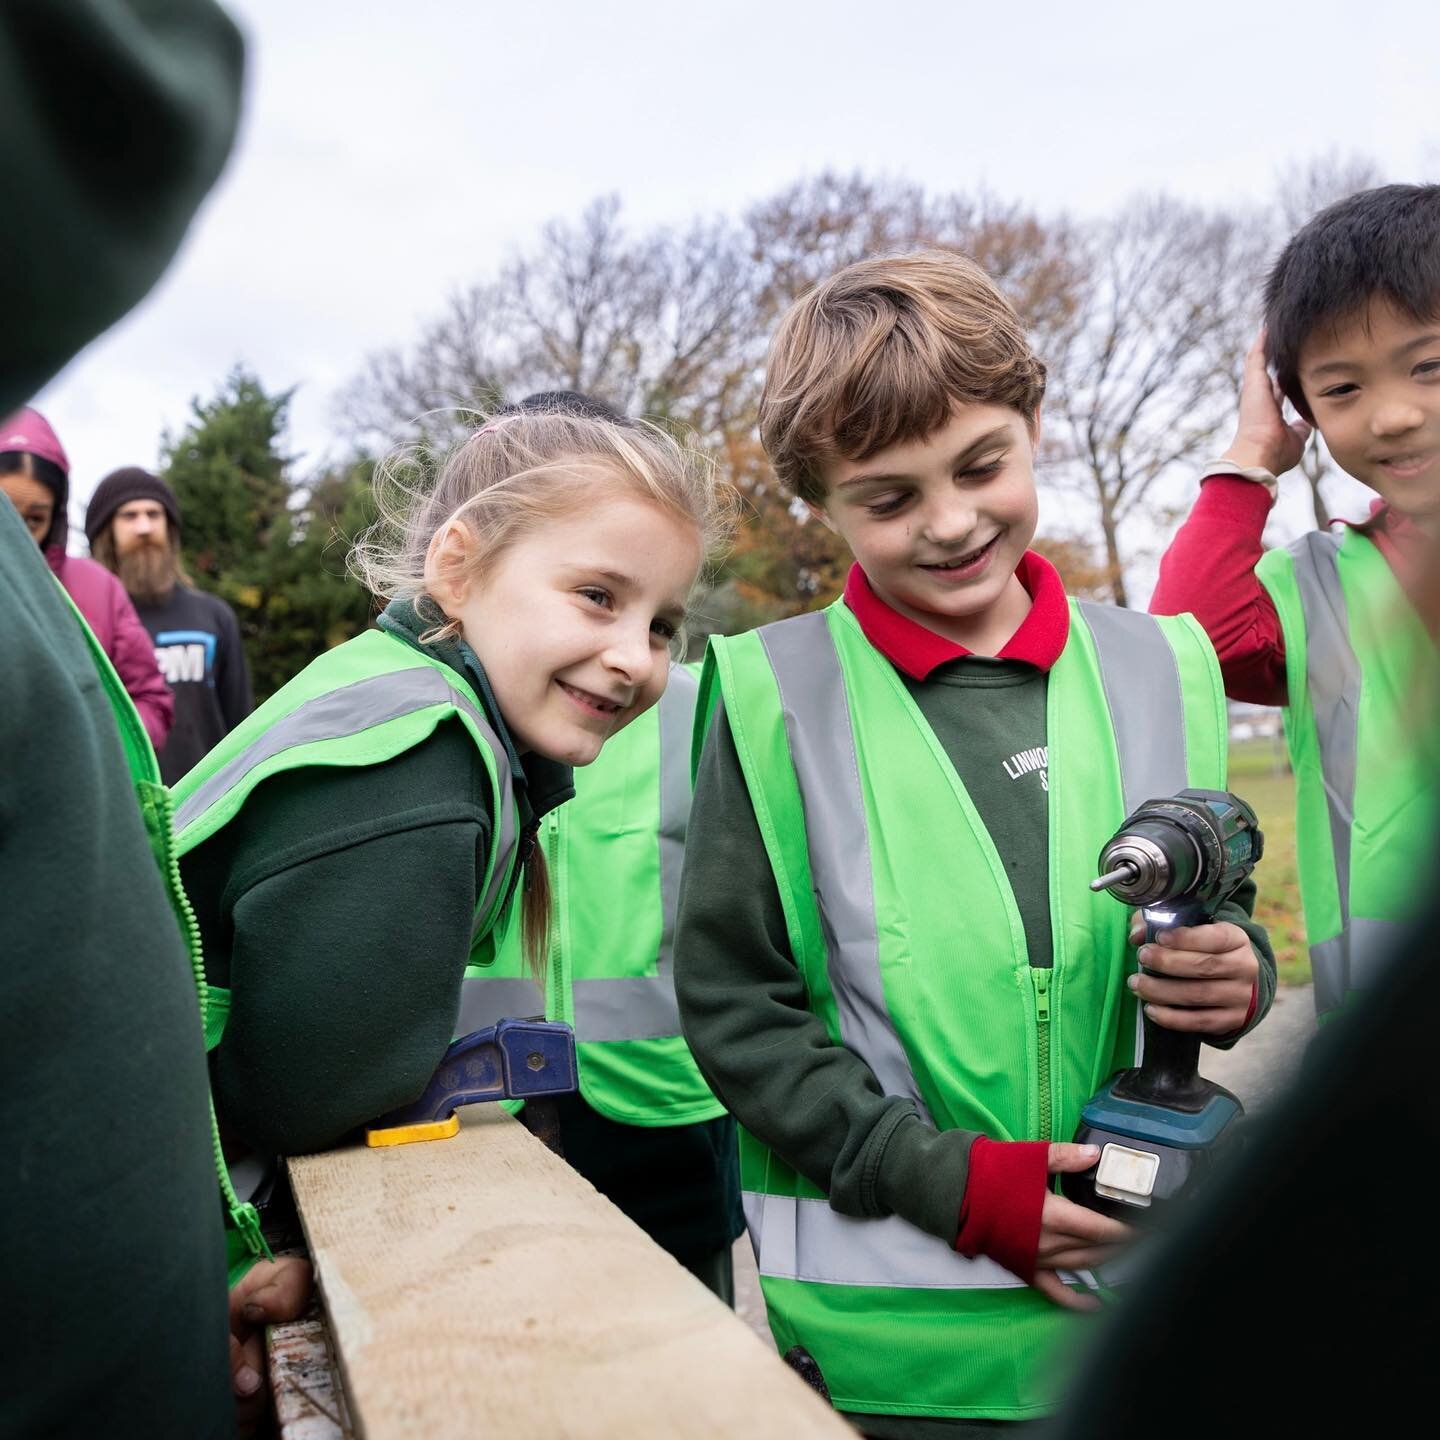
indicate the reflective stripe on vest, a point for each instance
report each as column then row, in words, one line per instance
column 807, row 1240
column 1350, row 959
column 642, row 1007
column 624, row 1007
column 347, row 711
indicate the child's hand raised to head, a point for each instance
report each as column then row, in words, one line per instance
column 1204, row 980
column 1262, row 436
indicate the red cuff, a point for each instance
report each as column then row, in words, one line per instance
column 1234, row 500
column 1004, row 1196
column 1254, row 1005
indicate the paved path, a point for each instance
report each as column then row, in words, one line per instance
column 1255, row 1070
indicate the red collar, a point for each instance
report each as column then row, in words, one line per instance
column 917, row 650
column 1397, row 537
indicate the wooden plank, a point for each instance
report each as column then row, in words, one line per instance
column 479, row 1286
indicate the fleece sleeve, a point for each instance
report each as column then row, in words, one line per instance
column 1209, row 572
column 344, row 901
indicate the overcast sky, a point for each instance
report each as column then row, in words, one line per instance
column 391, row 152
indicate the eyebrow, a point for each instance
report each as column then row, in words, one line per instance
column 615, row 577
column 976, row 447
column 1337, row 367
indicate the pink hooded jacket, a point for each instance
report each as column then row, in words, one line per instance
column 102, row 600
column 97, row 594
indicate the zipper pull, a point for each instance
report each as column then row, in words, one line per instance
column 246, row 1219
column 1042, row 994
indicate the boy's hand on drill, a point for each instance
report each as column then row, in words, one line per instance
column 1262, row 436
column 1072, row 1237
column 1205, row 977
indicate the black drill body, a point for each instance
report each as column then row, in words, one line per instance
column 1158, row 1124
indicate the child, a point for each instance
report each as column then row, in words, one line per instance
column 350, row 848
column 892, row 969
column 1352, row 316
column 644, row 1129
column 35, row 477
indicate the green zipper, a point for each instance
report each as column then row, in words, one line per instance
column 554, row 967
column 1042, row 1044
column 159, row 808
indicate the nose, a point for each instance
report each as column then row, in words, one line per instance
column 1395, row 417
column 630, row 655
column 949, row 519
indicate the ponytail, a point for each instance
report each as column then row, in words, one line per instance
column 535, row 915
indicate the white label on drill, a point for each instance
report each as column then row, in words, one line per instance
column 1126, row 1175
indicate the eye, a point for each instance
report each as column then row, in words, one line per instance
column 887, row 506
column 982, row 472
column 1339, row 392
column 664, row 629
column 597, row 595
column 1428, row 369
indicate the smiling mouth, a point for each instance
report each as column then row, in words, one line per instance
column 960, row 563
column 1407, row 464
column 590, row 702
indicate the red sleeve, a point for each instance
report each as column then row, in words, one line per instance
column 133, row 655
column 1004, row 1195
column 1209, row 570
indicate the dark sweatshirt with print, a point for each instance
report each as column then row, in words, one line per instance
column 743, row 1002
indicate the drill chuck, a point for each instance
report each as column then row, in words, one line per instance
column 1196, row 847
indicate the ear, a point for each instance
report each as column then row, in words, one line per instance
column 819, row 512
column 449, row 566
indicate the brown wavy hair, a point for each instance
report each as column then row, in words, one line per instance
column 881, row 353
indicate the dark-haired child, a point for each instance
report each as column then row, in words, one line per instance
column 1325, row 628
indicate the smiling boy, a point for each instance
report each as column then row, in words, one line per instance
column 889, row 963
column 1324, row 628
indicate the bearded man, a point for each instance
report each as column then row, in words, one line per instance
column 133, row 525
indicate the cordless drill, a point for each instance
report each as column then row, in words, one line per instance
column 1157, row 1124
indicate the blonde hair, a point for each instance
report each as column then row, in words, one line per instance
column 509, row 476
column 880, row 354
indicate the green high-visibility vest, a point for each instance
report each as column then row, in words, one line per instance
column 242, row 1224
column 614, row 854
column 906, row 930
column 1360, row 677
column 362, row 703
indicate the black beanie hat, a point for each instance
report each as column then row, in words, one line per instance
column 119, row 488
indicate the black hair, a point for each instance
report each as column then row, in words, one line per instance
column 566, row 402
column 54, row 479
column 1377, row 244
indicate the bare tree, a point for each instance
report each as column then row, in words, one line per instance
column 461, row 363
column 1144, row 371
column 650, row 322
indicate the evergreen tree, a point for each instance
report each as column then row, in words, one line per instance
column 274, row 550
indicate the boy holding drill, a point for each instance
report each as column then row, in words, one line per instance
column 891, row 967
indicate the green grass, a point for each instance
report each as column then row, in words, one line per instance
column 1260, row 774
